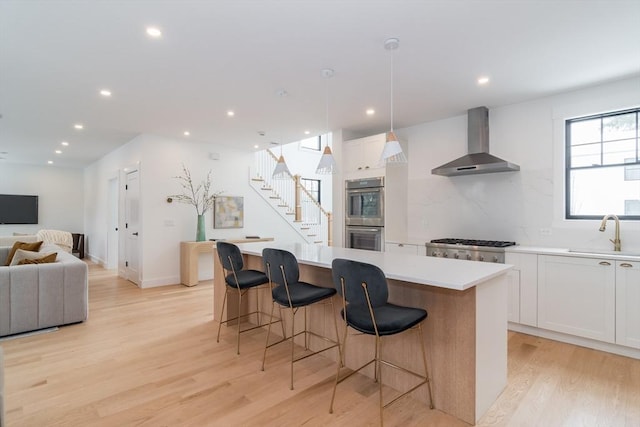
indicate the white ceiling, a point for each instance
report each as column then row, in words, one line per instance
column 218, row 55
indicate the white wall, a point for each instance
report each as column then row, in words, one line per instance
column 522, row 206
column 60, row 196
column 164, row 225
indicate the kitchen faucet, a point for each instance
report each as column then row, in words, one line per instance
column 603, row 226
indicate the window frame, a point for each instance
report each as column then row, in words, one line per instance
column 316, row 148
column 316, row 180
column 567, row 157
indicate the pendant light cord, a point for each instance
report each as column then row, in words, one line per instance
column 391, row 102
column 326, row 128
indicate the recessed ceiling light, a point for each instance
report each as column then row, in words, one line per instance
column 306, row 132
column 65, row 143
column 256, row 146
column 50, row 162
column 58, row 151
column 154, row 32
column 370, row 112
column 78, row 126
column 186, row 133
column 230, row 113
column 105, row 93
column 483, row 80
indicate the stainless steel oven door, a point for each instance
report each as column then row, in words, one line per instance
column 365, row 206
column 369, row 238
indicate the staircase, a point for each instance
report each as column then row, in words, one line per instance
column 291, row 200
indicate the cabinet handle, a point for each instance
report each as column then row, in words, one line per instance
column 400, row 245
column 604, row 263
column 626, row 264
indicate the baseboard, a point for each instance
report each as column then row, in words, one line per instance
column 161, row 281
column 571, row 339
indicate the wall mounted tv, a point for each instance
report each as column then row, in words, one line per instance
column 17, row 209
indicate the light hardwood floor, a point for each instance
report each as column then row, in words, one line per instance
column 150, row 358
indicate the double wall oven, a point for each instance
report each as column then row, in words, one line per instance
column 364, row 215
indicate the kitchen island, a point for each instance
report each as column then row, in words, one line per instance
column 465, row 332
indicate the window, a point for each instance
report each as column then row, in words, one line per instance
column 603, row 166
column 312, row 143
column 312, row 186
column 310, row 211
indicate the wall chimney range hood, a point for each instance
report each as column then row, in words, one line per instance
column 478, row 160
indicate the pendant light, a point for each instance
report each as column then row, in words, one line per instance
column 392, row 152
column 281, row 171
column 327, row 164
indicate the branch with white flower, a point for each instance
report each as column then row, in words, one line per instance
column 199, row 196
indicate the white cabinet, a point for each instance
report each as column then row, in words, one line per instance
column 405, row 248
column 628, row 303
column 577, row 296
column 523, row 288
column 361, row 157
column 513, row 301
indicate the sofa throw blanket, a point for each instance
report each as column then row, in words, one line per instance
column 64, row 239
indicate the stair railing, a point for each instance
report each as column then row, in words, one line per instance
column 295, row 200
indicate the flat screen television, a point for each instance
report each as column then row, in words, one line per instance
column 17, row 209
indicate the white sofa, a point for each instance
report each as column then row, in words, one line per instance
column 38, row 296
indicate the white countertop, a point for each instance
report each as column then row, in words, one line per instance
column 577, row 252
column 439, row 272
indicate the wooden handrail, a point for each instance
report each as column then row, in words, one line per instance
column 298, row 206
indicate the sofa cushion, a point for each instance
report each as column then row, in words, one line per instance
column 42, row 259
column 35, row 246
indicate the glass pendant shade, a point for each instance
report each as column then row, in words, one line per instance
column 281, row 171
column 327, row 163
column 392, row 151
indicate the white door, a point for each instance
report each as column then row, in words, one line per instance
column 131, row 225
column 112, row 225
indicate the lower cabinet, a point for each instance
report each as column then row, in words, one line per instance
column 577, row 296
column 628, row 303
column 405, row 248
column 513, row 292
column 523, row 288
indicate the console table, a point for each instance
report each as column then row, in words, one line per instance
column 190, row 251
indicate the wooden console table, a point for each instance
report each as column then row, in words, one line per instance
column 190, row 251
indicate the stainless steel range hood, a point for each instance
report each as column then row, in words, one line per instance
column 478, row 160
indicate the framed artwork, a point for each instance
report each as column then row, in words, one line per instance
column 228, row 212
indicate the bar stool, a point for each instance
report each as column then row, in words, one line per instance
column 289, row 292
column 365, row 292
column 241, row 281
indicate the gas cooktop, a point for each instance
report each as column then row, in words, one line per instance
column 471, row 242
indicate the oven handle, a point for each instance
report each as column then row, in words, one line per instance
column 364, row 230
column 365, row 190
